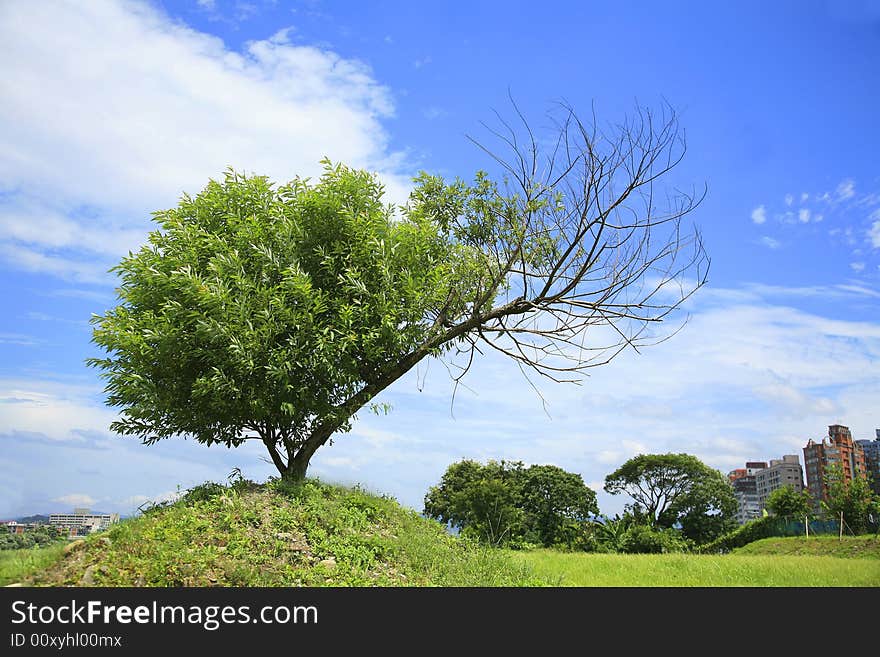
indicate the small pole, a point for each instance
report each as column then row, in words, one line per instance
column 807, row 525
column 841, row 526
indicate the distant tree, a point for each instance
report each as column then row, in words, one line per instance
column 786, row 502
column 677, row 490
column 555, row 502
column 853, row 498
column 276, row 313
column 504, row 502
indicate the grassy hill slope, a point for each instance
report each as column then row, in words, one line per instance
column 858, row 547
column 313, row 534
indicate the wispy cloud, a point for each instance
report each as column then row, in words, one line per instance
column 76, row 500
column 846, row 190
column 759, row 215
column 20, row 339
column 874, row 234
column 769, row 242
column 432, row 113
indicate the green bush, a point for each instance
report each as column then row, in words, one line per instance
column 643, row 539
column 753, row 530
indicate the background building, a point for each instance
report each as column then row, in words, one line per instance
column 871, row 450
column 786, row 471
column 754, row 483
column 745, row 491
column 837, row 448
column 82, row 521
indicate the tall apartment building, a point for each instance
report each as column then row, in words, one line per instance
column 871, row 450
column 837, row 448
column 786, row 471
column 745, row 491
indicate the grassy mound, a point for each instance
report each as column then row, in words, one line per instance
column 312, row 534
column 865, row 547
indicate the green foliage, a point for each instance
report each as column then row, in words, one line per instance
column 632, row 533
column 644, row 539
column 854, row 499
column 786, row 502
column 36, row 537
column 282, row 534
column 677, row 490
column 262, row 310
column 505, row 503
column 752, row 530
column 609, row 533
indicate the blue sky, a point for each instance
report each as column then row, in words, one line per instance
column 109, row 111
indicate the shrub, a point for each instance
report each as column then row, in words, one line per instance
column 643, row 539
column 750, row 531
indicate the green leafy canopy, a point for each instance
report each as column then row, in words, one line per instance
column 257, row 306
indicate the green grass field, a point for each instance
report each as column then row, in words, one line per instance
column 686, row 570
column 15, row 565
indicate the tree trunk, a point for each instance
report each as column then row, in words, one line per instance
column 296, row 469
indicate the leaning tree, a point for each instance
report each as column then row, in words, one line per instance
column 275, row 313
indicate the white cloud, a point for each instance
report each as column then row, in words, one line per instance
column 67, row 268
column 759, row 215
column 424, row 61
column 207, row 4
column 117, row 109
column 34, row 223
column 846, row 190
column 874, row 234
column 76, row 500
column 804, row 197
column 20, row 339
column 755, row 292
column 790, row 401
column 789, row 199
column 769, row 242
column 56, row 411
column 857, row 266
column 804, row 215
